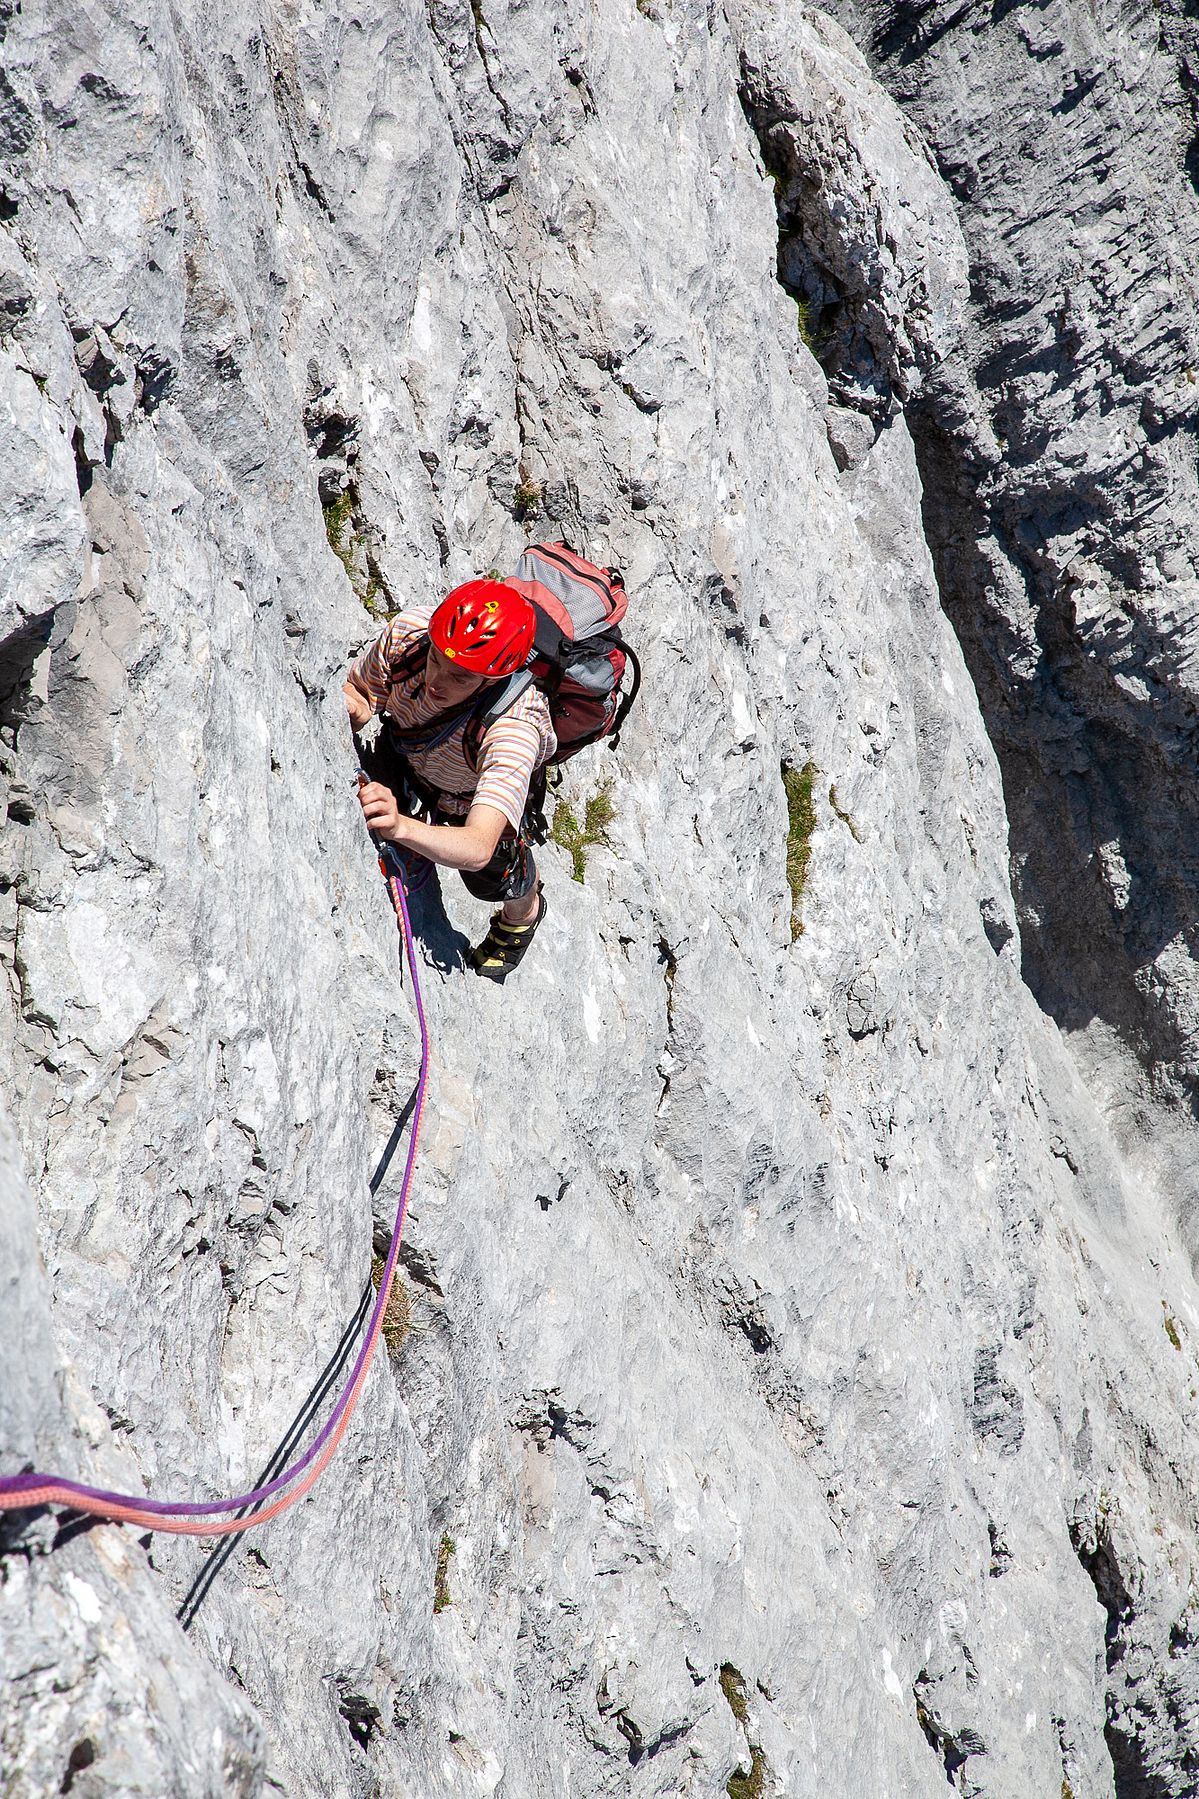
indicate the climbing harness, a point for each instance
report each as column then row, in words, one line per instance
column 184, row 1518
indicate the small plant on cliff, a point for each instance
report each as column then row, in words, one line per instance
column 441, row 1574
column 732, row 1685
column 338, row 514
column 843, row 815
column 348, row 544
column 528, row 499
column 1170, row 1326
column 814, row 320
column 801, row 822
column 752, row 1785
column 742, row 1785
column 397, row 1316
column 577, row 839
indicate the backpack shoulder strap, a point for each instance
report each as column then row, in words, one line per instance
column 501, row 702
column 409, row 663
column 438, row 730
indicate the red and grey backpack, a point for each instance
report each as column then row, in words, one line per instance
column 579, row 657
column 579, row 661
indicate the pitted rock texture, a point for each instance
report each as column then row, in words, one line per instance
column 796, row 1363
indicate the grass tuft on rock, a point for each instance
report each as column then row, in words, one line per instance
column 752, row 1785
column 528, row 501
column 801, row 822
column 809, row 331
column 843, row 815
column 397, row 1317
column 732, row 1685
column 575, row 838
column 349, row 544
column 441, row 1574
column 338, row 515
column 742, row 1784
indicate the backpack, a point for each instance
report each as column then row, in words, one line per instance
column 579, row 661
column 579, row 658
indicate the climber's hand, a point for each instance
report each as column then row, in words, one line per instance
column 358, row 706
column 381, row 811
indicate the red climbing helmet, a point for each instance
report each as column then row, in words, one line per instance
column 485, row 627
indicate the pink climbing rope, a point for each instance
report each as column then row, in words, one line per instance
column 187, row 1518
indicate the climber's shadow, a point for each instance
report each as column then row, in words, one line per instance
column 327, row 1380
column 445, row 946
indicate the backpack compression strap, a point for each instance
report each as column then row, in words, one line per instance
column 626, row 704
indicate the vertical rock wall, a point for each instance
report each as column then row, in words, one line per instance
column 794, row 1364
column 1057, row 446
column 1058, row 449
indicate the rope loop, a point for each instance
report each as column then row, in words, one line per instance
column 188, row 1519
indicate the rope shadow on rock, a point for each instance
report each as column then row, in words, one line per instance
column 328, row 1378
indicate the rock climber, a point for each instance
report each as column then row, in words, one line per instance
column 430, row 790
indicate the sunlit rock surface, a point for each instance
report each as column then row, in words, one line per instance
column 1058, row 448
column 799, row 1364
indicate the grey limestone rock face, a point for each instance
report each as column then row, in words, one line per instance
column 96, row 1673
column 790, row 1388
column 1057, row 445
column 870, row 246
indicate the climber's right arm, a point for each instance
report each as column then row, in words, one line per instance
column 359, row 705
column 368, row 679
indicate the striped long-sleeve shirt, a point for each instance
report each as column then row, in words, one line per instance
column 512, row 748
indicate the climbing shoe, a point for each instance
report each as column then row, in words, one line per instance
column 504, row 945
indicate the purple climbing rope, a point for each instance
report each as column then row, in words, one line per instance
column 36, row 1489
